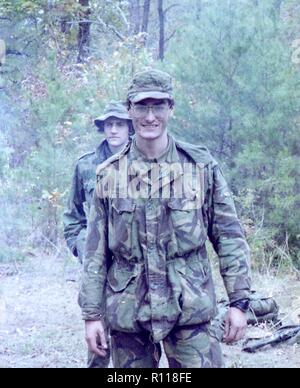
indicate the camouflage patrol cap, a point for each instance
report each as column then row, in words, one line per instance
column 113, row 109
column 150, row 84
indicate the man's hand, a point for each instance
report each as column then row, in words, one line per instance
column 95, row 337
column 235, row 325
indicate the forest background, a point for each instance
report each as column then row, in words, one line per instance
column 236, row 66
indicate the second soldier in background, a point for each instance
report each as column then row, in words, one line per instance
column 117, row 128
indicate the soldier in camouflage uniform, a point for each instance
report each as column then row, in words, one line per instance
column 146, row 271
column 116, row 126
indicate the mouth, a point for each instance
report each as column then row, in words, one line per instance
column 150, row 126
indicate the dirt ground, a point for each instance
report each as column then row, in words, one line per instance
column 41, row 327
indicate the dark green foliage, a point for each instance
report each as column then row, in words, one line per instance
column 239, row 94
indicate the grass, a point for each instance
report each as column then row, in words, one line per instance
column 42, row 326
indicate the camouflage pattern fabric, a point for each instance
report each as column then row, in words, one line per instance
column 188, row 347
column 261, row 309
column 146, row 266
column 150, row 84
column 75, row 217
column 83, row 184
column 97, row 362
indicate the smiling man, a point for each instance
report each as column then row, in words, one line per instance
column 116, row 125
column 146, row 274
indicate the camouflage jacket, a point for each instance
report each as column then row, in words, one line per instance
column 83, row 183
column 146, row 264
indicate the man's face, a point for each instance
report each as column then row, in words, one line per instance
column 116, row 131
column 150, row 117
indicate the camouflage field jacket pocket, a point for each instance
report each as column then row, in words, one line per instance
column 120, row 227
column 121, row 296
column 197, row 297
column 175, row 225
column 186, row 224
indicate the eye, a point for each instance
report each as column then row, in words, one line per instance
column 141, row 108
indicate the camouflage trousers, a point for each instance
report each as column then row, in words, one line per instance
column 185, row 347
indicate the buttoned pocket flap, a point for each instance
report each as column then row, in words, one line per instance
column 123, row 205
column 184, row 204
column 119, row 277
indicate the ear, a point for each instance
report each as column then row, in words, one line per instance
column 130, row 129
column 130, row 111
column 171, row 112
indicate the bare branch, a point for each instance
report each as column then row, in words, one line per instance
column 123, row 16
column 115, row 31
column 170, row 7
column 170, row 36
column 16, row 52
column 102, row 23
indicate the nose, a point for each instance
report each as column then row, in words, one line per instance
column 150, row 116
column 114, row 128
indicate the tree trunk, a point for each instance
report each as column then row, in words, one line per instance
column 146, row 16
column 83, row 37
column 65, row 25
column 161, row 18
column 134, row 11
